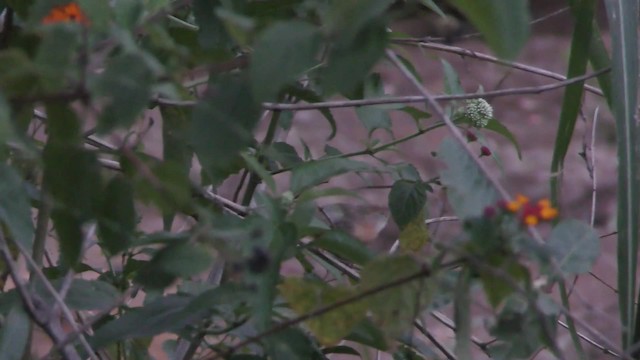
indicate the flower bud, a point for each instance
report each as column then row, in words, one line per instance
column 484, row 151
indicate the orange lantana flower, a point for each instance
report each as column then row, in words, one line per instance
column 70, row 12
column 531, row 214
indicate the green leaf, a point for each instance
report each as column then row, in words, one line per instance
column 574, row 245
column 414, row 235
column 162, row 315
column 211, row 30
column 282, row 54
column 496, row 126
column 406, row 201
column 117, row 216
column 125, row 86
column 469, row 191
column 170, row 188
column 283, row 153
column 175, row 123
column 349, row 62
column 394, row 309
column 315, row 172
column 452, row 85
column 174, row 261
column 222, row 124
column 291, row 344
column 14, row 333
column 462, row 315
column 345, row 246
column 623, row 25
column 305, row 296
column 18, row 74
column 504, row 24
column 87, row 294
column 572, row 100
column 72, row 175
column 55, row 57
column 15, row 209
column 367, row 333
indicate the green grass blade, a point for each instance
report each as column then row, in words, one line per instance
column 583, row 12
column 623, row 24
column 599, row 59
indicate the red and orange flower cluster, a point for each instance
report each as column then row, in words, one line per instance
column 531, row 213
column 70, row 12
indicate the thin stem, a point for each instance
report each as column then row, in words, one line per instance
column 254, row 179
column 492, row 59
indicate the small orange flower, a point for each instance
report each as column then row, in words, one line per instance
column 70, row 12
column 531, row 214
column 517, row 204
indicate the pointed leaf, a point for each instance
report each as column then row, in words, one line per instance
column 117, row 216
column 15, row 209
column 415, row 235
column 315, row 172
column 406, row 201
column 468, row 189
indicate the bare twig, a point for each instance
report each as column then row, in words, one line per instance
column 492, row 59
column 34, row 306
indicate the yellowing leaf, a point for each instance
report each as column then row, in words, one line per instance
column 394, row 309
column 306, row 296
column 415, row 234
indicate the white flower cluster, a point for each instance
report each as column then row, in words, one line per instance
column 479, row 112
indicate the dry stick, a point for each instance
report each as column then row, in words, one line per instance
column 424, row 272
column 492, row 59
column 423, row 97
column 29, row 303
column 66, row 312
column 72, row 336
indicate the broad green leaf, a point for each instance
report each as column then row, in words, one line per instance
column 18, row 74
column 169, row 189
column 55, row 58
column 348, row 18
column 283, row 153
column 574, row 245
column 72, row 175
column 394, row 309
column 14, row 333
column 414, row 235
column 623, row 25
column 117, row 216
column 15, row 209
column 221, row 125
column 367, row 333
column 331, row 327
column 504, row 24
column 572, row 100
column 85, row 294
column 99, row 12
column 282, row 53
column 498, row 291
column 316, row 172
column 211, row 31
column 291, row 344
column 498, row 127
column 406, row 201
column 468, row 189
column 175, row 123
column 162, row 315
column 172, row 262
column 125, row 86
column 344, row 245
column 350, row 61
